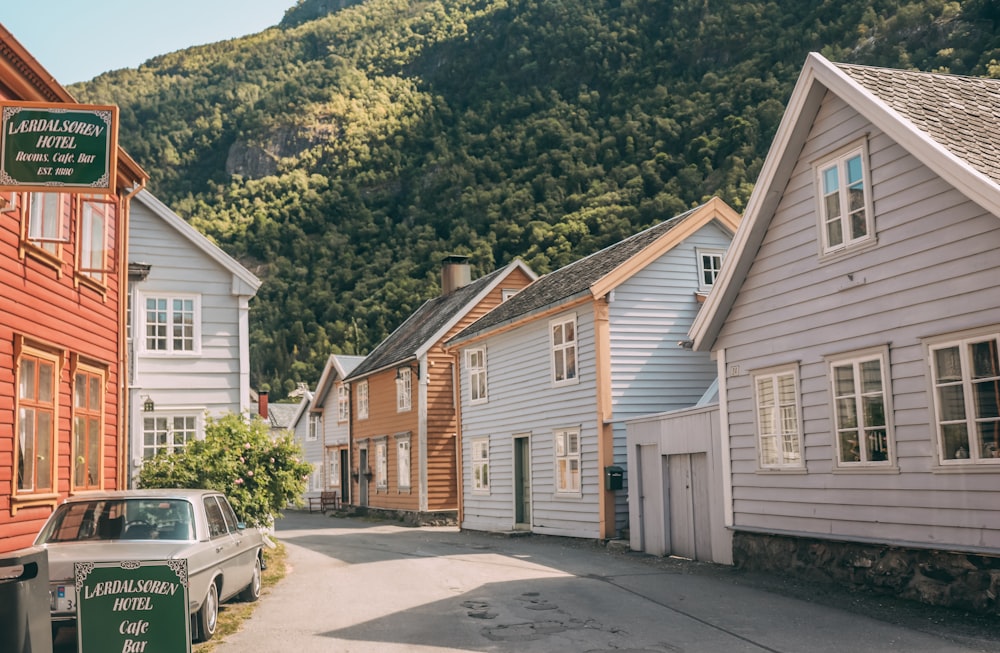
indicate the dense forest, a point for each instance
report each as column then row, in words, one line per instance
column 341, row 154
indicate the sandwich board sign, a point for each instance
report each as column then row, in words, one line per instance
column 46, row 147
column 133, row 606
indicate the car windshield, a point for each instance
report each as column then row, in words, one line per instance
column 120, row 519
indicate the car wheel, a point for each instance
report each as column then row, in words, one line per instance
column 208, row 616
column 251, row 592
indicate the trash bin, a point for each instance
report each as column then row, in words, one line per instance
column 25, row 625
column 613, row 475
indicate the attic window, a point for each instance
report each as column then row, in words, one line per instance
column 843, row 189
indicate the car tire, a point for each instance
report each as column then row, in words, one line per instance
column 208, row 615
column 251, row 592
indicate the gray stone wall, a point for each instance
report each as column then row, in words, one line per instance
column 959, row 580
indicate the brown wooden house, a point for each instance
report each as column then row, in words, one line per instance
column 63, row 279
column 404, row 423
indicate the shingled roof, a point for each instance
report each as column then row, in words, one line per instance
column 405, row 342
column 571, row 281
column 960, row 113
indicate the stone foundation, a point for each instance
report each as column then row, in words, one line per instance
column 406, row 517
column 943, row 578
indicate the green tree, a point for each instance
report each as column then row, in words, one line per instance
column 260, row 474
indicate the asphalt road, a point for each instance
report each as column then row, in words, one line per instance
column 358, row 586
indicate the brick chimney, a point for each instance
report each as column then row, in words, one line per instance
column 455, row 273
column 262, row 403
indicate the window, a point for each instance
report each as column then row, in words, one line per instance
column 216, row 520
column 95, row 224
column 172, row 324
column 845, row 198
column 48, row 222
column 563, row 337
column 381, row 464
column 403, row 461
column 507, row 293
column 88, row 409
column 404, row 386
column 481, row 465
column 167, row 433
column 317, row 477
column 343, row 403
column 475, row 364
column 363, row 400
column 315, row 426
column 779, row 436
column 860, row 411
column 567, row 461
column 333, row 467
column 709, row 265
column 967, row 400
column 37, row 373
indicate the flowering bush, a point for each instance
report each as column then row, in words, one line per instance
column 258, row 473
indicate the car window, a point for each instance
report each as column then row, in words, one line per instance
column 227, row 511
column 114, row 519
column 216, row 520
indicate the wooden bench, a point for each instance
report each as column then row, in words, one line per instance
column 325, row 501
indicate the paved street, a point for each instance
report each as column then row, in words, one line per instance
column 363, row 587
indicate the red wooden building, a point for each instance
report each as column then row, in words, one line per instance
column 63, row 284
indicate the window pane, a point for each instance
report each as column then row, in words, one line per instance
column 948, row 365
column 43, row 451
column 987, row 396
column 871, row 376
column 830, row 181
column 557, row 335
column 854, row 169
column 878, row 447
column 984, row 359
column 849, row 451
column 847, row 416
column 45, row 382
column 571, row 362
column 843, row 380
column 956, row 441
column 570, row 331
column 873, row 410
column 952, row 400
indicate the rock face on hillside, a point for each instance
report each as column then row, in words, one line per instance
column 253, row 160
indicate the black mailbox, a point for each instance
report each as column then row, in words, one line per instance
column 613, row 475
column 24, row 601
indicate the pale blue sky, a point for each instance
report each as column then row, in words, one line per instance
column 77, row 40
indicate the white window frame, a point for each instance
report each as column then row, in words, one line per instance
column 96, row 226
column 481, row 465
column 403, row 469
column 854, row 410
column 564, row 351
column 838, row 163
column 363, row 399
column 315, row 427
column 773, row 421
column 42, row 229
column 317, row 477
column 404, row 389
column 507, row 293
column 333, row 468
column 172, row 445
column 568, row 481
column 343, row 403
column 707, row 274
column 37, row 420
column 381, row 464
column 964, row 412
column 475, row 366
column 169, row 325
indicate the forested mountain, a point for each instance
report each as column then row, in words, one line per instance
column 343, row 153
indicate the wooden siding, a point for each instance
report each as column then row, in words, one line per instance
column 522, row 400
column 47, row 305
column 934, row 271
column 650, row 314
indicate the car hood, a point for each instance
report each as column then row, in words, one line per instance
column 62, row 555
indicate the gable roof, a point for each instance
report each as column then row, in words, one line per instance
column 197, row 239
column 429, row 323
column 595, row 275
column 338, row 366
column 947, row 122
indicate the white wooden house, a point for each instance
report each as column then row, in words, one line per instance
column 188, row 331
column 548, row 376
column 856, row 326
column 323, row 427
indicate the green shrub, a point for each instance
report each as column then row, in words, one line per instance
column 260, row 474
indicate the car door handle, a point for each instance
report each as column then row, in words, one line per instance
column 218, row 549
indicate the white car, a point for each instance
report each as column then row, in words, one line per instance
column 224, row 557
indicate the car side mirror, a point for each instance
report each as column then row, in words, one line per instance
column 241, row 525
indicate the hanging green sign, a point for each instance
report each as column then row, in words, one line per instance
column 133, row 606
column 44, row 147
